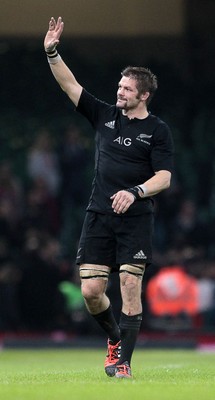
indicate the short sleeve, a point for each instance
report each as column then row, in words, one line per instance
column 163, row 149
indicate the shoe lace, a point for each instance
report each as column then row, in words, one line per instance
column 124, row 368
column 113, row 351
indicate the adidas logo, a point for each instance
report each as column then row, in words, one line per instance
column 110, row 124
column 140, row 255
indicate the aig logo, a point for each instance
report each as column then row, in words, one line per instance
column 123, row 141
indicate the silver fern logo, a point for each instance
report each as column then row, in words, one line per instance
column 142, row 138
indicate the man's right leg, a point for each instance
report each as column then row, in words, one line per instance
column 94, row 280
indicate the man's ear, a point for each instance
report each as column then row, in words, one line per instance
column 145, row 96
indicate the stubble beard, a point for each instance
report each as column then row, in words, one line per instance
column 122, row 104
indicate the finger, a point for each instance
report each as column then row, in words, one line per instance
column 125, row 208
column 115, row 205
column 59, row 29
column 115, row 202
column 121, row 209
column 121, row 205
column 119, row 198
column 52, row 24
column 59, row 23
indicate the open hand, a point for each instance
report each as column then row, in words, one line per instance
column 53, row 35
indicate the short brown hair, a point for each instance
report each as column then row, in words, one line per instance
column 146, row 80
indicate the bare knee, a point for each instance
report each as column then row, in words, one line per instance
column 131, row 275
column 129, row 283
column 92, row 289
column 131, row 287
column 94, row 280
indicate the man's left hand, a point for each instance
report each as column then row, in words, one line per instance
column 122, row 201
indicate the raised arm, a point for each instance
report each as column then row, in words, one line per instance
column 61, row 72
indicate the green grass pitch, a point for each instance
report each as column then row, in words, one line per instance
column 78, row 374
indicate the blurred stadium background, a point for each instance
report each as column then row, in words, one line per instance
column 46, row 163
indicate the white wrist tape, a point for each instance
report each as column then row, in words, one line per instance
column 145, row 191
column 54, row 60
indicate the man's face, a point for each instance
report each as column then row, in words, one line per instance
column 127, row 94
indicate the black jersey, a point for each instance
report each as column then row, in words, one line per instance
column 128, row 152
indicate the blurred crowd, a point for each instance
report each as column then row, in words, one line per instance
column 40, row 223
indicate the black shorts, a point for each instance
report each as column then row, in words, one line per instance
column 115, row 240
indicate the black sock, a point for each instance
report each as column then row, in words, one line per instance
column 129, row 329
column 108, row 323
